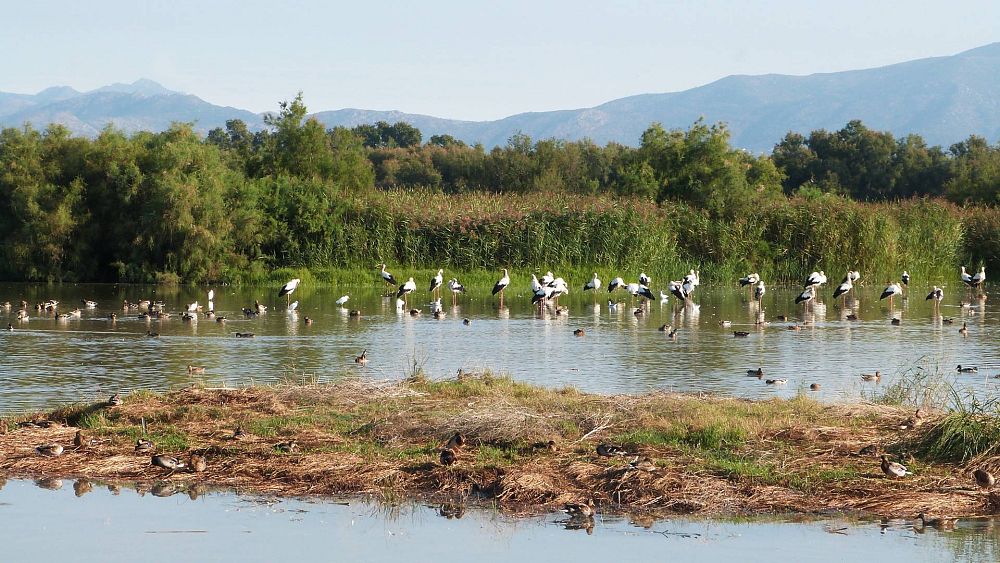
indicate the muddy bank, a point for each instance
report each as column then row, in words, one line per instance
column 527, row 449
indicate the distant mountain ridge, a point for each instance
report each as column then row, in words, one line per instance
column 943, row 99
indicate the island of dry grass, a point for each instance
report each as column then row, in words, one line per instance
column 706, row 455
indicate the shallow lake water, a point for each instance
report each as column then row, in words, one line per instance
column 93, row 524
column 48, row 360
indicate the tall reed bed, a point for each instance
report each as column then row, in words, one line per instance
column 783, row 240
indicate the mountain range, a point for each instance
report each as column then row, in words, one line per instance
column 944, row 99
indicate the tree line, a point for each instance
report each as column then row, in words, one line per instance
column 176, row 206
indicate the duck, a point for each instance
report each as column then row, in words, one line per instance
column 740, row 334
column 852, row 317
column 967, row 369
column 893, row 469
column 644, row 464
column 448, row 457
column 781, row 318
column 759, row 372
column 725, row 324
column 50, row 450
column 964, row 331
column 143, row 446
column 814, row 386
column 466, row 321
column 877, row 376
column 609, row 450
column 196, row 370
column 584, row 509
column 665, row 328
column 794, row 327
column 941, row 522
column 579, row 332
column 363, row 358
column 244, row 335
column 775, row 381
column 198, row 463
column 414, row 312
column 456, row 442
column 895, row 321
column 307, row 321
column 168, row 462
column 440, row 314
column 287, row 447
column 80, row 442
column 115, row 400
column 984, row 479
column 355, row 314
column 152, row 334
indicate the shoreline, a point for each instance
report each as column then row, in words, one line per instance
column 686, row 453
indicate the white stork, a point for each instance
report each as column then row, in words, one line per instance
column 891, row 290
column 844, row 287
column 548, row 278
column 343, row 299
column 456, row 288
column 693, row 278
column 937, row 294
column 815, row 279
column 749, row 280
column 387, row 278
column 807, row 295
column 758, row 292
column 287, row 289
column 677, row 288
column 593, row 285
column 436, row 282
column 408, row 287
column 644, row 279
column 615, row 284
column 976, row 280
column 905, row 278
column 502, row 284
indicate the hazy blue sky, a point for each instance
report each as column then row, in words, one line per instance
column 464, row 59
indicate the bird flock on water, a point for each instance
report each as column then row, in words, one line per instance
column 545, row 291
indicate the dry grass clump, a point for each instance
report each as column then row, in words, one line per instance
column 526, row 448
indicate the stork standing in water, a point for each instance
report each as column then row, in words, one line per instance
column 593, row 285
column 842, row 290
column 436, row 282
column 749, row 281
column 643, row 279
column 502, row 284
column 807, row 295
column 891, row 290
column 905, row 278
column 976, row 280
column 387, row 278
column 758, row 292
column 816, row 279
column 616, row 283
column 408, row 287
column 937, row 294
column 287, row 289
column 455, row 288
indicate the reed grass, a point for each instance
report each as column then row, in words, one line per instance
column 476, row 234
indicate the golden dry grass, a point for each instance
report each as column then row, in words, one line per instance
column 710, row 455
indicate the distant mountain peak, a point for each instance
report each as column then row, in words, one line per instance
column 142, row 87
column 56, row 93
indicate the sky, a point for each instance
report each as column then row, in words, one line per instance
column 463, row 60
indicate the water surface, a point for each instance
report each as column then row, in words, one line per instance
column 46, row 360
column 95, row 525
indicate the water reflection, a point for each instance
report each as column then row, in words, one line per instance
column 105, row 525
column 47, row 360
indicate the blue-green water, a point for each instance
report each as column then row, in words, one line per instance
column 98, row 526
